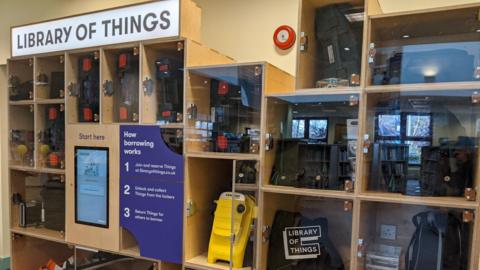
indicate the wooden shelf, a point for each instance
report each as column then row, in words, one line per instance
column 246, row 187
column 36, row 170
column 422, row 87
column 216, row 155
column 51, row 101
column 172, row 125
column 449, row 202
column 200, row 263
column 40, row 233
column 308, row 192
column 21, row 102
column 322, row 91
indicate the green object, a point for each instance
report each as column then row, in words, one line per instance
column 5, row 263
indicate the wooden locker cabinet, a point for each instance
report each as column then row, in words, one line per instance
column 356, row 215
column 27, row 115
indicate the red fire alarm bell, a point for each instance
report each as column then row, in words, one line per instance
column 284, row 37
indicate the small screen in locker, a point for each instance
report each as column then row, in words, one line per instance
column 91, row 186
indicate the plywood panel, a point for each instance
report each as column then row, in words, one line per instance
column 190, row 20
column 102, row 238
column 199, row 55
column 277, row 81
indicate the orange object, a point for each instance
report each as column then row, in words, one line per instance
column 123, row 113
column 52, row 113
column 53, row 159
column 87, row 114
column 222, row 88
column 122, row 60
column 166, row 114
column 51, row 265
column 87, row 64
column 222, row 142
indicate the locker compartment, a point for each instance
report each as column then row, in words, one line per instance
column 22, row 138
column 83, row 85
column 50, row 77
column 422, row 143
column 162, row 83
column 120, row 71
column 302, row 231
column 314, row 141
column 398, row 235
column 331, row 39
column 443, row 49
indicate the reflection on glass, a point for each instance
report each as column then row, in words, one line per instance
column 415, row 151
column 317, row 129
column 427, row 146
column 224, row 109
column 389, row 125
column 418, row 125
column 298, row 128
column 445, row 48
column 316, row 143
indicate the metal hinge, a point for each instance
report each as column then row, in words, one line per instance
column 348, row 186
column 347, row 206
column 468, row 216
column 371, row 53
column 190, row 208
column 470, row 194
column 475, row 97
column 303, row 42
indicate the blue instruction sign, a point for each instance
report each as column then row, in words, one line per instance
column 151, row 192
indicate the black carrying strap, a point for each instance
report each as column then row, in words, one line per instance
column 435, row 233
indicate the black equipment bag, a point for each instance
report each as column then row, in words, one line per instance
column 334, row 33
column 53, row 195
column 439, row 242
column 89, row 93
column 329, row 258
column 447, row 170
column 169, row 75
column 20, row 90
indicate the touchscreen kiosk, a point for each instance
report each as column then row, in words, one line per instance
column 91, row 186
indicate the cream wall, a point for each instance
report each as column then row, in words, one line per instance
column 244, row 29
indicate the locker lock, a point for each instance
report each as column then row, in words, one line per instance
column 360, row 247
column 108, row 88
column 268, row 141
column 371, row 53
column 266, row 230
column 73, row 89
column 303, row 42
column 148, row 86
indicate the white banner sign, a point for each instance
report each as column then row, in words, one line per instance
column 141, row 22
